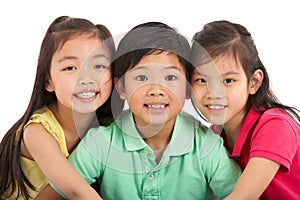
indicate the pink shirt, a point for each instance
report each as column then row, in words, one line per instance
column 275, row 136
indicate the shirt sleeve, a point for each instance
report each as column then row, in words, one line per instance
column 275, row 138
column 221, row 171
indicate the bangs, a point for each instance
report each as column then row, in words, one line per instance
column 61, row 38
column 233, row 49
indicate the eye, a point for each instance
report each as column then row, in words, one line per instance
column 228, row 80
column 142, row 78
column 69, row 68
column 99, row 67
column 201, row 80
column 170, row 78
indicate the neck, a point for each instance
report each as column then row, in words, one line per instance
column 71, row 121
column 82, row 121
column 156, row 136
column 73, row 124
column 232, row 129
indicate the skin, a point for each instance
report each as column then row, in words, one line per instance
column 220, row 90
column 81, row 80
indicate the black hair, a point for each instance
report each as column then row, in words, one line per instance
column 146, row 39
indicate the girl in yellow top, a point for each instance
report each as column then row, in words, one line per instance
column 71, row 93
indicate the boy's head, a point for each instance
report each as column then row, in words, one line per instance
column 152, row 67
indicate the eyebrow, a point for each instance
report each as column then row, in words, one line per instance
column 224, row 74
column 230, row 73
column 64, row 58
column 141, row 67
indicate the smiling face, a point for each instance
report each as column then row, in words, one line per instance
column 80, row 74
column 220, row 90
column 155, row 89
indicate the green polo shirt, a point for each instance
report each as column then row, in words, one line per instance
column 195, row 165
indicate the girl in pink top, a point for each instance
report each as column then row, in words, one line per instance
column 230, row 88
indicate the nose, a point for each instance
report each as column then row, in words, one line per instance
column 86, row 77
column 86, row 81
column 216, row 91
column 156, row 90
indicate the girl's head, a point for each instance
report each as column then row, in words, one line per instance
column 59, row 41
column 150, row 60
column 225, row 39
column 220, row 44
column 56, row 57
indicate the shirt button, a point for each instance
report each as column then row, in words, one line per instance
column 151, row 177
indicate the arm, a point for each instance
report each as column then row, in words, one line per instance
column 257, row 175
column 48, row 193
column 46, row 152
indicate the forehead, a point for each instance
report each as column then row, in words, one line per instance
column 220, row 63
column 81, row 46
column 160, row 59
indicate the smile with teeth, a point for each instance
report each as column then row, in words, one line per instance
column 216, row 107
column 86, row 95
column 155, row 106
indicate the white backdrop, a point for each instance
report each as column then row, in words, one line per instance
column 273, row 24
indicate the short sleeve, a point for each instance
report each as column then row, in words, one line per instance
column 275, row 138
column 45, row 117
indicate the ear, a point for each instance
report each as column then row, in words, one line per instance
column 256, row 81
column 49, row 85
column 120, row 88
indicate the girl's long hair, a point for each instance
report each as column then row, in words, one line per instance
column 225, row 38
column 12, row 177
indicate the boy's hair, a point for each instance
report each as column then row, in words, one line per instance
column 60, row 31
column 148, row 38
column 221, row 38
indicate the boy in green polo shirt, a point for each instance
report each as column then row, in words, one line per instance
column 153, row 150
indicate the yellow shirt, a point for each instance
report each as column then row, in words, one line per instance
column 46, row 118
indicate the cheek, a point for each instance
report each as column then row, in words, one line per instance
column 179, row 93
column 136, row 88
column 105, row 77
column 64, row 85
column 135, row 93
column 197, row 92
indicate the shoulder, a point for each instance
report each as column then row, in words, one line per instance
column 200, row 129
column 42, row 120
column 103, row 135
column 205, row 139
column 113, row 132
column 278, row 125
column 275, row 117
column 45, row 118
column 42, row 114
column 274, row 113
column 188, row 119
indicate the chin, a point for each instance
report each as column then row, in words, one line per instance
column 219, row 120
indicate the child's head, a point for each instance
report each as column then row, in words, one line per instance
column 70, row 47
column 152, row 66
column 228, row 68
